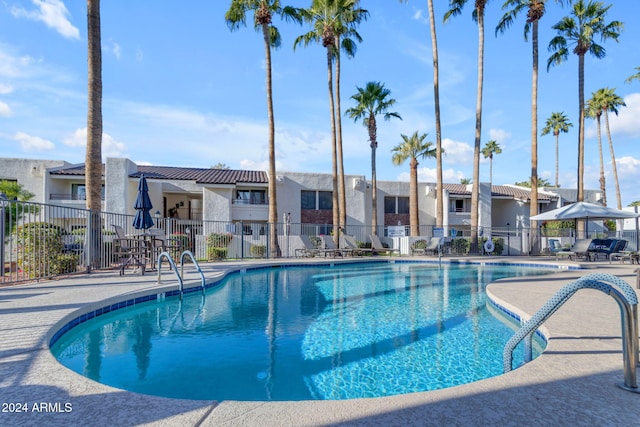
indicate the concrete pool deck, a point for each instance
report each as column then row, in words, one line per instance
column 572, row 383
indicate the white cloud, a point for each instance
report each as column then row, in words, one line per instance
column 5, row 110
column 501, row 136
column 626, row 122
column 430, row 175
column 110, row 147
column 5, row 88
column 139, row 55
column 115, row 49
column 457, row 152
column 33, row 143
column 53, row 13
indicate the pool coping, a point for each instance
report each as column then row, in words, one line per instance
column 579, row 338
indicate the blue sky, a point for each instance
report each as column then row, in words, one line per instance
column 181, row 89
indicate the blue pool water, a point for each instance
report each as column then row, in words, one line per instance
column 299, row 333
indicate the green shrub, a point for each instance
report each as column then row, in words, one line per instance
column 460, row 245
column 217, row 245
column 216, row 253
column 258, row 251
column 40, row 247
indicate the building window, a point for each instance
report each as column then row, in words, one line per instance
column 325, row 200
column 396, row 205
column 251, row 197
column 316, row 200
column 79, row 192
column 403, row 205
column 308, row 199
column 459, row 205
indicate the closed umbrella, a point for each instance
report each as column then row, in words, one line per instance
column 143, row 206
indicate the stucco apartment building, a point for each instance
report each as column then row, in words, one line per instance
column 232, row 196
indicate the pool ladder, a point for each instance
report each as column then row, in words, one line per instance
column 627, row 301
column 180, row 275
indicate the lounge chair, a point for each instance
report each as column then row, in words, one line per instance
column 378, row 247
column 329, row 247
column 554, row 246
column 309, row 250
column 350, row 243
column 434, row 245
column 580, row 249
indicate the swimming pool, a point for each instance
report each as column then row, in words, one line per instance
column 299, row 333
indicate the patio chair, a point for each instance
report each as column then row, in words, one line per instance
column 378, row 247
column 554, row 246
column 329, row 247
column 580, row 249
column 309, row 250
column 350, row 243
column 130, row 250
column 433, row 246
column 620, row 253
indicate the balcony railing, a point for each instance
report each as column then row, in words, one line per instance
column 249, row 202
column 61, row 196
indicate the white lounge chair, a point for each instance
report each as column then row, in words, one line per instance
column 378, row 247
column 580, row 249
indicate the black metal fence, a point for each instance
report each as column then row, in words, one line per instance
column 44, row 241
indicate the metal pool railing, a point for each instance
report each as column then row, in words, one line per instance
column 627, row 301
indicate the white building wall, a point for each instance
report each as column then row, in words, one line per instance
column 31, row 174
column 119, row 189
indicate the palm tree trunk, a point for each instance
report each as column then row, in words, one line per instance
column 274, row 247
column 414, row 219
column 342, row 190
column 580, row 225
column 93, row 160
column 436, row 97
column 475, row 194
column 603, row 186
column 557, row 157
column 613, row 160
column 334, row 153
column 533, row 204
column 371, row 125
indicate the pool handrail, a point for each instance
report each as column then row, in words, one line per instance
column 180, row 274
column 627, row 301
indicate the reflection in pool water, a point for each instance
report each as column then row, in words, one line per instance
column 297, row 333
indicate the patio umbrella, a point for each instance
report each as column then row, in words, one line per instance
column 143, row 206
column 583, row 210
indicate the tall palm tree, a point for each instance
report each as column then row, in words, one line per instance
column 535, row 11
column 372, row 100
column 633, row 77
column 348, row 17
column 609, row 101
column 478, row 15
column 593, row 110
column 580, row 29
column 263, row 11
column 93, row 159
column 436, row 101
column 492, row 147
column 412, row 148
column 326, row 18
column 557, row 123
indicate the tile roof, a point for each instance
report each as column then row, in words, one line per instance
column 199, row 175
column 203, row 176
column 500, row 191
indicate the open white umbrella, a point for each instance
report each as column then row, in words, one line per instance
column 583, row 210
